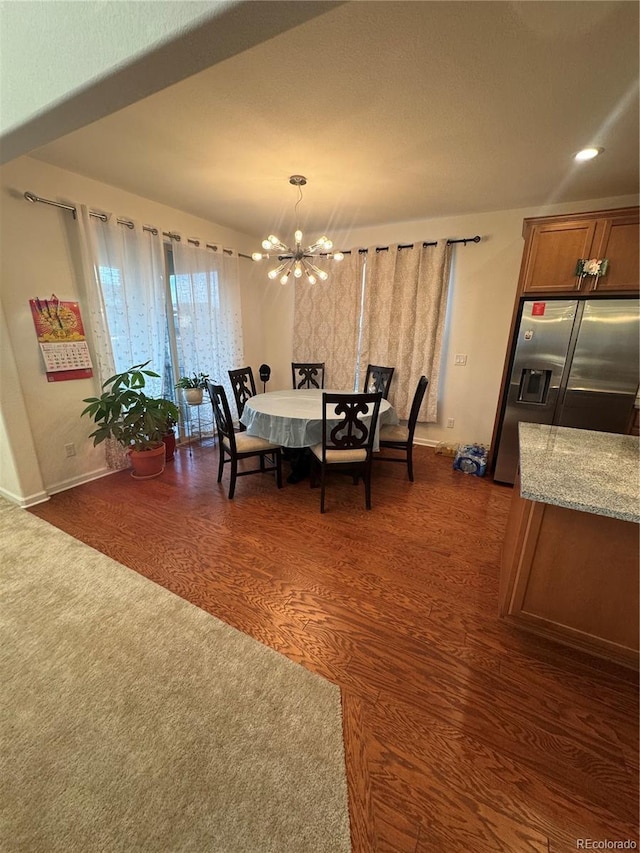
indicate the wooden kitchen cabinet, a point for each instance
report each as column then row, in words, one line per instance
column 555, row 244
column 572, row 577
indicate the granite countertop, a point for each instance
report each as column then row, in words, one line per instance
column 581, row 469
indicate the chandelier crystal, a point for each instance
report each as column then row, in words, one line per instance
column 298, row 262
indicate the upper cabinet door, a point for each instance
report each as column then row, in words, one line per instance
column 554, row 249
column 554, row 245
column 617, row 241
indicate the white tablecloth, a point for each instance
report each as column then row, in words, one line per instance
column 294, row 418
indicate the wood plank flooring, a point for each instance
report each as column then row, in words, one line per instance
column 461, row 733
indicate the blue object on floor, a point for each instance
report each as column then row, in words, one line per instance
column 471, row 459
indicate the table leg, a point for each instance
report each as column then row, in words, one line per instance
column 300, row 460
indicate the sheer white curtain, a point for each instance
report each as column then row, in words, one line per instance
column 327, row 321
column 207, row 301
column 96, row 321
column 126, row 300
column 129, row 268
column 403, row 319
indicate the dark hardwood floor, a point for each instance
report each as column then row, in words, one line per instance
column 461, row 733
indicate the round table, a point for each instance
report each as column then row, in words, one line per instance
column 294, row 418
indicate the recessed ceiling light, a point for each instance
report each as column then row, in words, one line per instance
column 587, row 154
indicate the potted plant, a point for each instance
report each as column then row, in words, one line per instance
column 193, row 387
column 126, row 414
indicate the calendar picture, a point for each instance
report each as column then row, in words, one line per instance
column 62, row 340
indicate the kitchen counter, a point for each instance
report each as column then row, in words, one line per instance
column 594, row 472
column 570, row 563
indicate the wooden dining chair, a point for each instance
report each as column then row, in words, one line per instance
column 348, row 428
column 243, row 386
column 307, row 374
column 235, row 446
column 401, row 437
column 378, row 379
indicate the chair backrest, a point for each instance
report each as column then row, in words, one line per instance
column 349, row 421
column 243, row 386
column 222, row 415
column 307, row 374
column 418, row 397
column 378, row 379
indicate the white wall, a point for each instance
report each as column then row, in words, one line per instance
column 37, row 259
column 16, row 440
column 484, row 283
column 66, row 64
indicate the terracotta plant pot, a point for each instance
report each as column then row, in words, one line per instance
column 147, row 463
column 193, row 396
column 169, row 441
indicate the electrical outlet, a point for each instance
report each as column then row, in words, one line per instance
column 70, row 449
column 450, row 423
column 460, row 359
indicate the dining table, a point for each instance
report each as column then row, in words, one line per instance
column 292, row 419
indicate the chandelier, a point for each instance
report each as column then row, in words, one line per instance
column 298, row 261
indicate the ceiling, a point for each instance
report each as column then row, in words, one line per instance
column 393, row 111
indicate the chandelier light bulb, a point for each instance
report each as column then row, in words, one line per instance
column 327, row 244
column 256, row 256
column 338, row 256
column 311, row 278
column 273, row 239
column 285, row 277
column 314, row 269
column 275, row 272
column 323, row 275
column 266, row 245
column 298, row 236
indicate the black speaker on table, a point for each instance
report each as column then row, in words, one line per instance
column 265, row 373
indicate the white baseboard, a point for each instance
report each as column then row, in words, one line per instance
column 63, row 485
column 24, row 502
column 425, row 442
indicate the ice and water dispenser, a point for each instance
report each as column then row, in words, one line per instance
column 534, row 386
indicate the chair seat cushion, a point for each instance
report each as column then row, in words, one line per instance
column 250, row 443
column 340, row 456
column 394, row 433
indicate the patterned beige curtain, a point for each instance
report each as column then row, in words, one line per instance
column 405, row 304
column 327, row 321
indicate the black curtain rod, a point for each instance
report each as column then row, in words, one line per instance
column 173, row 236
column 103, row 216
column 464, row 240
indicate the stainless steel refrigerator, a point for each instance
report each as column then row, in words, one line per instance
column 574, row 363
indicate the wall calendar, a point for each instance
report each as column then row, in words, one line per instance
column 62, row 340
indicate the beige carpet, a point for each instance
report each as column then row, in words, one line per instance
column 133, row 721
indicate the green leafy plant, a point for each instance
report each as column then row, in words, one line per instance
column 125, row 413
column 197, row 380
